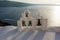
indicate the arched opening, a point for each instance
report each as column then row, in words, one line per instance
column 29, row 23
column 38, row 22
column 26, row 14
column 23, row 23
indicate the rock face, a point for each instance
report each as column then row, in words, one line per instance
column 3, row 23
column 28, row 21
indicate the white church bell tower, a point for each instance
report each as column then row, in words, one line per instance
column 35, row 23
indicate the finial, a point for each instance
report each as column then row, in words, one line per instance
column 26, row 11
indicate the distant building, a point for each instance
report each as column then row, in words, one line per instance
column 28, row 21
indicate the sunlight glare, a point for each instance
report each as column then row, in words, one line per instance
column 56, row 16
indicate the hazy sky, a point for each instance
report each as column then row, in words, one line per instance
column 38, row 1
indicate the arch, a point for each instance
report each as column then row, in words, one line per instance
column 38, row 22
column 29, row 23
column 23, row 23
column 26, row 14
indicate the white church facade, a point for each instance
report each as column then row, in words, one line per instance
column 28, row 21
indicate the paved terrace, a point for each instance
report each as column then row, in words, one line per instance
column 12, row 33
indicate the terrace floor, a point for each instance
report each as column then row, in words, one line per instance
column 12, row 33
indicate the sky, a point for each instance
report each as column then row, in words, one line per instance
column 38, row 1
